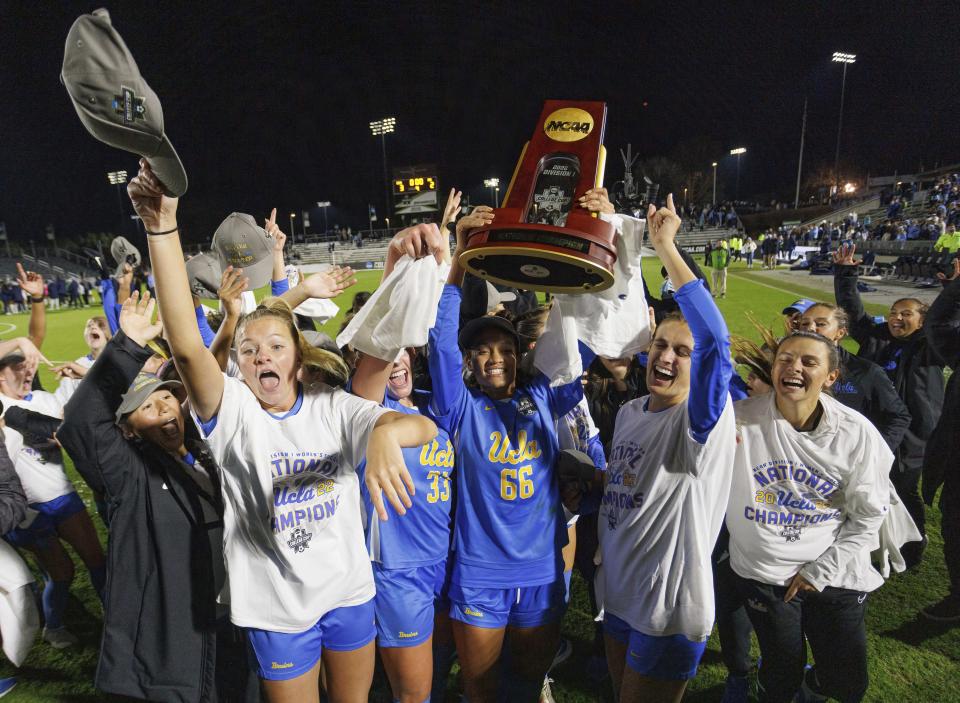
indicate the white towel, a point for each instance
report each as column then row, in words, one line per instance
column 614, row 323
column 896, row 530
column 321, row 310
column 400, row 312
column 19, row 620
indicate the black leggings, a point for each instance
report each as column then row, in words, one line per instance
column 831, row 620
column 733, row 625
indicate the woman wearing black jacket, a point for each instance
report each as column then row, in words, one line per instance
column 901, row 349
column 862, row 385
column 940, row 463
column 164, row 637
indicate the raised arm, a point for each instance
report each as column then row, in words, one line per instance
column 278, row 277
column 31, row 284
column 711, row 366
column 942, row 323
column 232, row 286
column 198, row 368
column 480, row 216
column 89, row 432
column 108, row 296
column 848, row 297
column 325, row 284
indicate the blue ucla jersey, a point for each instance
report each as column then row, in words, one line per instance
column 422, row 536
column 509, row 525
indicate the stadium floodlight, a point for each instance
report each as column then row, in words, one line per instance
column 323, row 205
column 117, row 178
column 714, row 164
column 494, row 185
column 841, row 57
column 846, row 59
column 385, row 126
column 381, row 128
column 849, row 188
column 738, row 152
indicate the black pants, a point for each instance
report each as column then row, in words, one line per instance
column 733, row 625
column 831, row 620
column 950, row 529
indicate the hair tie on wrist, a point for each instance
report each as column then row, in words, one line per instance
column 157, row 234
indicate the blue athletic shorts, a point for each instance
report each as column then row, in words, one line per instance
column 287, row 655
column 670, row 657
column 405, row 603
column 529, row 606
column 44, row 526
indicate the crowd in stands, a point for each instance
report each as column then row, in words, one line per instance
column 279, row 502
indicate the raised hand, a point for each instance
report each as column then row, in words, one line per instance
column 450, row 210
column 328, row 284
column 597, row 200
column 843, row 256
column 954, row 275
column 157, row 211
column 232, row 285
column 480, row 216
column 30, row 282
column 136, row 319
column 418, row 241
column 663, row 224
column 273, row 229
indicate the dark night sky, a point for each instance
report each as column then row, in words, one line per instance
column 269, row 105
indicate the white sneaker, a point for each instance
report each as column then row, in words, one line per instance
column 546, row 695
column 59, row 638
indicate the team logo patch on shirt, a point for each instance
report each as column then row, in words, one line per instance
column 526, row 406
column 299, row 540
column 791, row 533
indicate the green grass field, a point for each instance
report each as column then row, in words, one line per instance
column 911, row 659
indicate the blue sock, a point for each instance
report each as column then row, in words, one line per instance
column 567, row 576
column 55, row 595
column 98, row 577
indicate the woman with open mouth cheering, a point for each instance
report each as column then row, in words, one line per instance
column 300, row 581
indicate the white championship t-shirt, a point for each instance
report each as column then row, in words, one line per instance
column 293, row 536
column 659, row 518
column 42, row 480
column 812, row 500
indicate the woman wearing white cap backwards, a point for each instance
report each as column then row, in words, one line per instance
column 809, row 493
column 300, row 579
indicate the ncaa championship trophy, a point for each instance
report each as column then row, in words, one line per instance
column 539, row 239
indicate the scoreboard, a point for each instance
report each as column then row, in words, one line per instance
column 415, row 196
column 416, row 184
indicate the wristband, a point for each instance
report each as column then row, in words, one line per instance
column 36, row 298
column 157, row 234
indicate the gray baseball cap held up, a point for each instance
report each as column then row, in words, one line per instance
column 123, row 252
column 204, row 274
column 112, row 99
column 240, row 242
column 142, row 387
